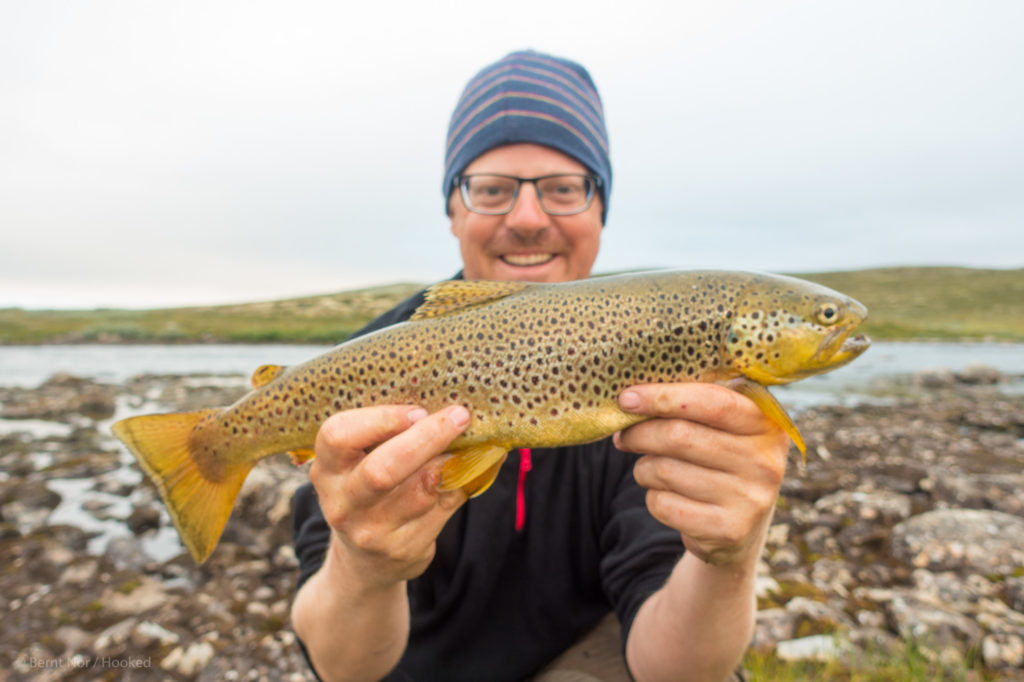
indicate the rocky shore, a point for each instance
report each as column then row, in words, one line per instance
column 905, row 526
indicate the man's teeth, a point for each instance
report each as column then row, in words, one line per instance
column 527, row 259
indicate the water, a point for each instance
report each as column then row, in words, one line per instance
column 28, row 366
column 855, row 383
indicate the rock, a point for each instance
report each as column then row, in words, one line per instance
column 114, row 636
column 60, row 397
column 821, row 541
column 950, row 590
column 1014, row 588
column 136, row 597
column 127, row 553
column 833, row 576
column 934, row 377
column 144, row 518
column 772, row 626
column 190, row 661
column 951, row 539
column 817, row 616
column 881, row 506
column 147, row 633
column 977, row 373
column 812, row 648
column 1002, row 651
column 931, row 625
column 785, row 557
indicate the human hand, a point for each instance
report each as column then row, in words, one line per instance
column 713, row 465
column 376, row 473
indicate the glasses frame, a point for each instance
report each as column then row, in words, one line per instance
column 459, row 182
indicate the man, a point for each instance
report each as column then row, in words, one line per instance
column 405, row 582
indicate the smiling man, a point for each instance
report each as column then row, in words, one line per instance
column 661, row 525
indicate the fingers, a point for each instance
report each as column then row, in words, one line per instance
column 709, row 404
column 383, row 504
column 395, row 461
column 706, row 424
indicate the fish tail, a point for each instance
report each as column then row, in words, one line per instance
column 199, row 503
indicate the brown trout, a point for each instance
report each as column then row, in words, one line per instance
column 537, row 365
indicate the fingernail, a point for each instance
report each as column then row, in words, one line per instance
column 629, row 400
column 416, row 415
column 459, row 415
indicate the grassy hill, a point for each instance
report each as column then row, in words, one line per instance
column 905, row 303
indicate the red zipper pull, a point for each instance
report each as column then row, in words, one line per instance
column 525, row 464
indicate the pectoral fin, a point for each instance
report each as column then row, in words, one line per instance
column 473, row 469
column 772, row 409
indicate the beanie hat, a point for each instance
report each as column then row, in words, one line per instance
column 530, row 97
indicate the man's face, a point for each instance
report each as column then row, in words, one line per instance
column 526, row 244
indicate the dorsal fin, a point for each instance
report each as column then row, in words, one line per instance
column 264, row 374
column 459, row 295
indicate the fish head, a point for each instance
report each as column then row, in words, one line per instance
column 786, row 329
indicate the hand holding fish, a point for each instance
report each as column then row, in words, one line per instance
column 713, row 466
column 384, row 506
column 376, row 474
column 713, row 463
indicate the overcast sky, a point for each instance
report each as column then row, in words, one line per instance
column 165, row 153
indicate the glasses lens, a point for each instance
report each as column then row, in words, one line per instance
column 490, row 193
column 565, row 194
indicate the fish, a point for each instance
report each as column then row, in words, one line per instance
column 537, row 365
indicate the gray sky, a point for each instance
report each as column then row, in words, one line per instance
column 200, row 152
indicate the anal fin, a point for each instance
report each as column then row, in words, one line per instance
column 473, row 469
column 771, row 407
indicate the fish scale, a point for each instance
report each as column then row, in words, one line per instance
column 537, row 365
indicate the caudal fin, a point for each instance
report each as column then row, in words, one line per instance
column 199, row 506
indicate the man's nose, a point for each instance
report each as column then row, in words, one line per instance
column 527, row 212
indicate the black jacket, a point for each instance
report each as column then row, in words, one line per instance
column 499, row 602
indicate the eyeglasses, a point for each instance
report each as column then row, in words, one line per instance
column 493, row 194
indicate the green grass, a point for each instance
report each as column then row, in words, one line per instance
column 905, row 663
column 942, row 303
column 314, row 319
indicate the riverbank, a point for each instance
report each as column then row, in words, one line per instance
column 905, row 528
column 935, row 303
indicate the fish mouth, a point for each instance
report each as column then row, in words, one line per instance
column 527, row 259
column 840, row 348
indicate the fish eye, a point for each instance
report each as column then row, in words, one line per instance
column 827, row 313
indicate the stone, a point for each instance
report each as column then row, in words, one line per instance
column 881, row 506
column 148, row 633
column 135, row 598
column 143, row 518
column 951, row 590
column 934, row 626
column 1014, row 588
column 114, row 636
column 978, row 373
column 772, row 626
column 833, row 576
column 1002, row 651
column 811, row 648
column 188, row 662
column 961, row 539
column 934, row 377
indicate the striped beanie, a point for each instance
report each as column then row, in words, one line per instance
column 530, row 97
